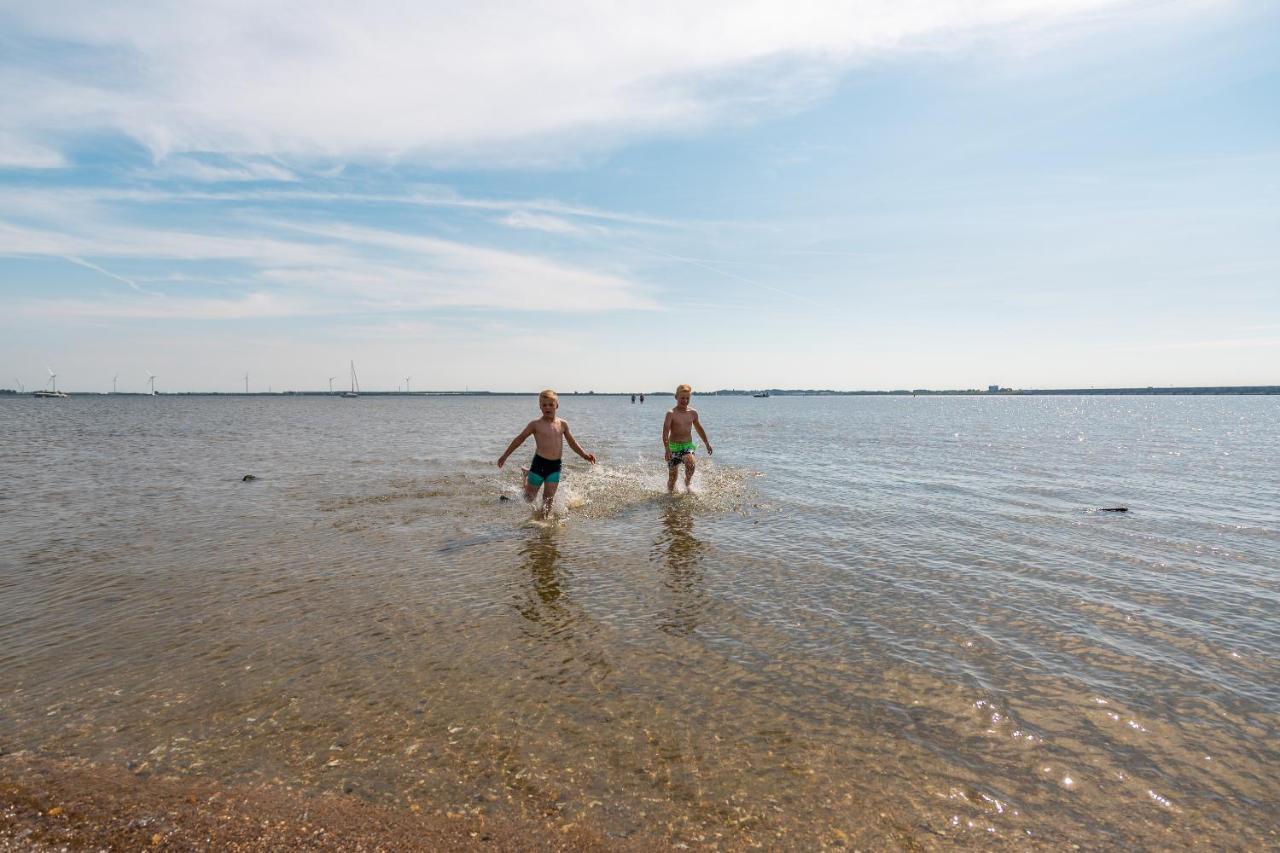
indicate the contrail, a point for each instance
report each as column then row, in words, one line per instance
column 83, row 263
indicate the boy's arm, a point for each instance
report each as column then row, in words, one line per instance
column 666, row 436
column 697, row 424
column 515, row 442
column 577, row 448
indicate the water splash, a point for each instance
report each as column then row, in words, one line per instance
column 608, row 491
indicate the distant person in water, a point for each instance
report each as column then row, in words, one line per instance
column 549, row 435
column 677, row 438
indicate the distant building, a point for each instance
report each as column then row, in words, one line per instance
column 993, row 389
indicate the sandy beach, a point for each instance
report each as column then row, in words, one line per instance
column 48, row 804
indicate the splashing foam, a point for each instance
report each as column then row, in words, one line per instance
column 607, row 491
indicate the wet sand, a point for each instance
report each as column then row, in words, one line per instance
column 57, row 804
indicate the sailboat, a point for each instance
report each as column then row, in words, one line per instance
column 52, row 390
column 355, row 384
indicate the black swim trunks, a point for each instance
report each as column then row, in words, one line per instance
column 677, row 457
column 543, row 470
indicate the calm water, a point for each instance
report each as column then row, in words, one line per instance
column 888, row 621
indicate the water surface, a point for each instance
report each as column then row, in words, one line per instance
column 876, row 620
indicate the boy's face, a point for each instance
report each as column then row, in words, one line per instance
column 682, row 398
column 548, row 405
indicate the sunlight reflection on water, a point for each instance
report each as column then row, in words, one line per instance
column 874, row 618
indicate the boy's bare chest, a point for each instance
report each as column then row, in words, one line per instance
column 548, row 430
column 682, row 421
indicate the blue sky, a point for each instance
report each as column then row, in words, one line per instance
column 1058, row 193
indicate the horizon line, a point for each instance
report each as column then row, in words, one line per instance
column 991, row 391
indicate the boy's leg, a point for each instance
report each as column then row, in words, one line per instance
column 548, row 495
column 673, row 471
column 532, row 482
column 689, row 465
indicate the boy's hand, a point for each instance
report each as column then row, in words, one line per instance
column 502, row 460
column 667, row 455
column 590, row 457
column 709, row 450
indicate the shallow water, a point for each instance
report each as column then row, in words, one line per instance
column 892, row 620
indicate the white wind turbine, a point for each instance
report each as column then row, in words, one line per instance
column 331, row 378
column 22, row 389
column 151, row 379
column 246, row 382
column 52, row 390
column 113, row 382
column 406, row 384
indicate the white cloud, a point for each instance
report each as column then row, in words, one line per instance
column 193, row 169
column 19, row 153
column 431, row 271
column 252, row 306
column 539, row 222
column 302, row 269
column 57, row 199
column 490, row 81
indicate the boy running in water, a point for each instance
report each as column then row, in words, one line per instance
column 549, row 434
column 677, row 438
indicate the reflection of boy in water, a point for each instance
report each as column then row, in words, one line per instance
column 677, row 438
column 549, row 435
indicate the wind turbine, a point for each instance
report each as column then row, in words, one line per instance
column 406, row 384
column 52, row 390
column 246, row 382
column 22, row 389
column 331, row 378
column 151, row 378
column 113, row 382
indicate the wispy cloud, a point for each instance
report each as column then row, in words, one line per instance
column 452, row 273
column 17, row 152
column 435, row 197
column 301, row 268
column 252, row 306
column 202, row 170
column 488, row 82
column 540, row 222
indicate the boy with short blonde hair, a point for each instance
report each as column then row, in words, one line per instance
column 549, row 434
column 677, row 438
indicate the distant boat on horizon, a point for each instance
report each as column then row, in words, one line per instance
column 355, row 384
column 52, row 391
column 761, row 394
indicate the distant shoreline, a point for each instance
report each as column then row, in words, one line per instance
column 1189, row 391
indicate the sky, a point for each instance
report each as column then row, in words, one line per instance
column 623, row 197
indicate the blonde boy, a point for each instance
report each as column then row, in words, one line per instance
column 677, row 438
column 549, row 435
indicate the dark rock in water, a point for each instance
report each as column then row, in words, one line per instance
column 1114, row 509
column 248, row 478
column 503, row 498
column 348, row 787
